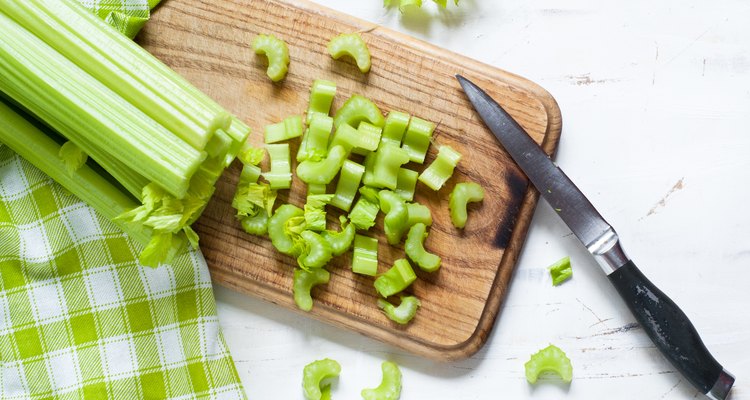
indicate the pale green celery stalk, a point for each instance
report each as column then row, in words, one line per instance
column 406, row 183
column 369, row 138
column 352, row 45
column 314, row 144
column 356, row 110
column 289, row 128
column 72, row 156
column 66, row 98
column 316, row 189
column 277, row 53
column 239, row 132
column 417, row 139
column 441, row 169
column 348, row 184
column 395, row 127
column 40, row 150
column 280, row 175
column 136, row 61
column 71, row 44
column 365, row 255
column 321, row 98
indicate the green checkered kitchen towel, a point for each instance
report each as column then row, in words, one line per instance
column 80, row 319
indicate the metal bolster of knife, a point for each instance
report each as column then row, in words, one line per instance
column 608, row 252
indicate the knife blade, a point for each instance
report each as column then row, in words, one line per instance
column 667, row 326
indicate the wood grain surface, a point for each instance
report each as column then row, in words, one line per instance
column 209, row 43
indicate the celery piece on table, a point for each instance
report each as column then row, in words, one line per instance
column 289, row 128
column 315, row 212
column 463, row 193
column 549, row 359
column 417, row 139
column 396, row 279
column 386, row 166
column 416, row 252
column 303, row 283
column 315, row 377
column 404, row 313
column 277, row 53
column 322, row 172
column 314, row 144
column 441, row 169
column 352, row 45
column 340, row 241
column 406, row 183
column 316, row 251
column 356, row 110
column 560, row 271
column 280, row 175
column 395, row 127
column 348, row 184
column 390, row 386
column 322, row 93
column 365, row 257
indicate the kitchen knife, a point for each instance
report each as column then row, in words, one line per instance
column 667, row 326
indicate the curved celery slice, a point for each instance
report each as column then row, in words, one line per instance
column 284, row 239
column 73, row 157
column 323, row 171
column 314, row 144
column 463, row 193
column 404, row 313
column 396, row 279
column 356, row 110
column 406, row 183
column 395, row 127
column 256, row 225
column 549, row 359
column 345, row 136
column 365, row 255
column 289, row 128
column 322, row 93
column 560, row 271
column 419, row 213
column 417, row 139
column 397, row 216
column 277, row 53
column 316, row 252
column 315, row 212
column 315, row 374
column 390, row 386
column 303, row 283
column 441, row 169
column 346, row 188
column 340, row 241
column 386, row 165
column 364, row 213
column 280, row 175
column 351, row 44
column 369, row 138
column 415, row 249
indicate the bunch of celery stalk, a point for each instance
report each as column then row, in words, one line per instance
column 111, row 123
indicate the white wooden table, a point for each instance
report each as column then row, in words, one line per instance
column 656, row 100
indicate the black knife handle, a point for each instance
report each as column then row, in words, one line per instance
column 672, row 332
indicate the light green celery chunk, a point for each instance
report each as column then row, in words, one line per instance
column 419, row 214
column 365, row 255
column 560, row 271
column 341, row 241
column 315, row 212
column 321, row 98
column 406, row 183
column 463, row 193
column 239, row 132
column 390, row 386
column 404, row 313
column 316, row 189
column 441, row 169
column 348, row 184
column 346, row 137
column 280, row 175
column 371, row 194
column 395, row 127
column 252, row 198
column 256, row 225
column 352, row 45
column 396, row 279
column 356, row 110
column 73, row 157
column 323, row 171
column 549, row 359
column 417, row 139
column 303, row 283
column 414, row 247
column 386, row 165
column 369, row 164
column 316, row 252
column 289, row 128
column 314, row 144
column 285, row 227
column 364, row 213
column 315, row 377
column 250, row 155
column 277, row 53
column 250, row 174
column 396, row 218
column 369, row 138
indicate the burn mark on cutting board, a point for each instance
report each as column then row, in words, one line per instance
column 516, row 184
column 663, row 202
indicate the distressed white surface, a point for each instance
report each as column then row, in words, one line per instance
column 653, row 93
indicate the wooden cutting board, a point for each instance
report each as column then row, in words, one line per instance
column 209, row 43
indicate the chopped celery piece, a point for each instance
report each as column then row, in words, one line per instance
column 397, row 216
column 252, row 198
column 390, row 386
column 369, row 138
column 303, row 283
column 322, row 172
column 414, row 247
column 404, row 313
column 365, row 256
column 280, row 175
column 239, row 133
column 346, row 188
column 441, row 169
column 371, row 194
column 396, row 279
column 549, row 359
column 289, row 128
column 315, row 212
column 346, row 137
column 283, row 229
column 314, row 144
column 386, row 165
column 369, row 164
column 463, row 193
column 321, row 98
column 277, row 53
column 417, row 139
column 363, row 213
column 356, row 110
column 250, row 174
column 560, row 271
column 352, row 45
column 419, row 214
column 340, row 241
column 250, row 155
column 406, row 183
column 315, row 377
column 314, row 189
column 395, row 127
column 73, row 157
column 316, row 252
column 256, row 225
